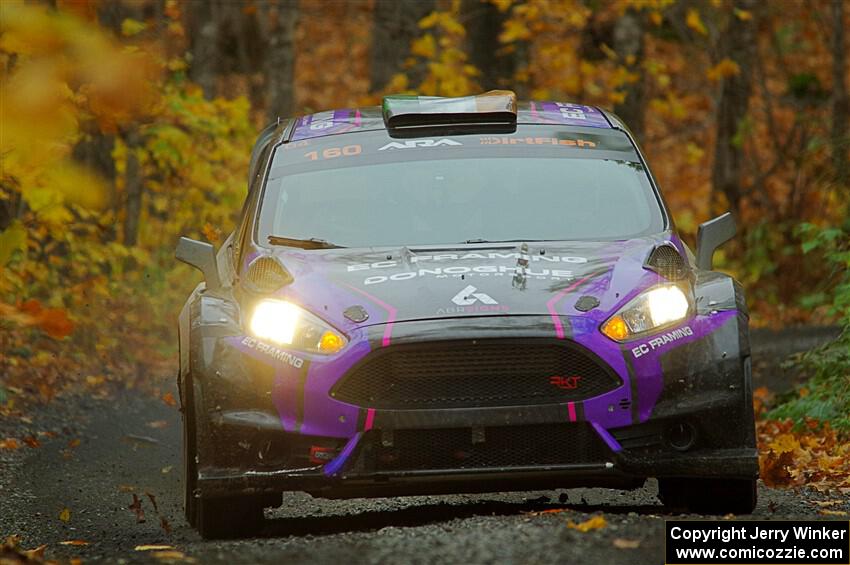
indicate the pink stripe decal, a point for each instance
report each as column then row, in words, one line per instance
column 550, row 305
column 357, row 118
column 370, row 419
column 391, row 313
column 572, row 408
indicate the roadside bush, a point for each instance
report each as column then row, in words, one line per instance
column 826, row 394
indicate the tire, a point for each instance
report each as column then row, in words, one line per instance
column 214, row 518
column 232, row 517
column 189, row 463
column 709, row 496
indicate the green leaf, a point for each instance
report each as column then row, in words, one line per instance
column 130, row 27
column 12, row 239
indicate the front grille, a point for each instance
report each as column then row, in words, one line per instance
column 494, row 447
column 476, row 373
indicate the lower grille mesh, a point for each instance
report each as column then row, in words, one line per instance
column 496, row 447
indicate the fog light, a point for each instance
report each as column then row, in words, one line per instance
column 681, row 436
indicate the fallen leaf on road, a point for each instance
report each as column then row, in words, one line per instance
column 126, row 488
column 153, row 502
column 153, row 547
column 65, row 515
column 171, row 556
column 774, row 469
column 36, row 554
column 621, row 543
column 823, row 503
column 9, row 443
column 141, row 440
column 32, row 441
column 168, row 398
column 136, row 507
column 166, row 470
column 550, row 511
column 832, row 512
column 74, row 443
column 73, row 542
column 157, row 424
column 592, row 524
column 163, row 523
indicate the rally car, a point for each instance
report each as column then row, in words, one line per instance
column 460, row 295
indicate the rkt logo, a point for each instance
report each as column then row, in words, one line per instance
column 414, row 143
column 568, row 383
column 469, row 296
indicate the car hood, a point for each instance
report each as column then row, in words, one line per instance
column 357, row 287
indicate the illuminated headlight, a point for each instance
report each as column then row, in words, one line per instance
column 656, row 308
column 285, row 323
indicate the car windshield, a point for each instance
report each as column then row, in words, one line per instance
column 459, row 198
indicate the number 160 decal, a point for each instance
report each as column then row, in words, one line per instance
column 334, row 152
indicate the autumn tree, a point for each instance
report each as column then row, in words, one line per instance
column 498, row 63
column 395, row 24
column 279, row 19
column 840, row 98
column 738, row 45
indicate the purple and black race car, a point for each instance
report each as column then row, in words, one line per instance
column 460, row 295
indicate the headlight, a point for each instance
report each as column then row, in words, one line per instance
column 285, row 323
column 655, row 308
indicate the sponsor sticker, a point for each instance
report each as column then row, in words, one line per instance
column 414, row 143
column 273, row 352
column 660, row 340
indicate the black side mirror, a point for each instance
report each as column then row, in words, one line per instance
column 711, row 235
column 201, row 256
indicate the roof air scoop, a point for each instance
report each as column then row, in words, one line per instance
column 496, row 108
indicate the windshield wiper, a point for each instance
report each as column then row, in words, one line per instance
column 311, row 243
column 479, row 240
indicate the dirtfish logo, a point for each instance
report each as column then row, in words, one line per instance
column 469, row 296
column 414, row 143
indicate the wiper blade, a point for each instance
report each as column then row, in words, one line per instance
column 478, row 240
column 311, row 243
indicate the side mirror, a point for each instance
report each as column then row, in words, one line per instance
column 711, row 235
column 201, row 256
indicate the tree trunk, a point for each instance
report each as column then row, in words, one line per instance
column 203, row 37
column 395, row 25
column 628, row 44
column 498, row 64
column 840, row 100
column 133, row 187
column 279, row 19
column 739, row 45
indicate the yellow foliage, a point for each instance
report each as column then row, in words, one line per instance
column 425, row 46
column 693, row 21
column 725, row 68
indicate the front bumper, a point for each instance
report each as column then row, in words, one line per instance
column 266, row 415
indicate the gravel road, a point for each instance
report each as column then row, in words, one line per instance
column 130, row 444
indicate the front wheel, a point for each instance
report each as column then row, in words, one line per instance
column 709, row 496
column 214, row 518
column 218, row 518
